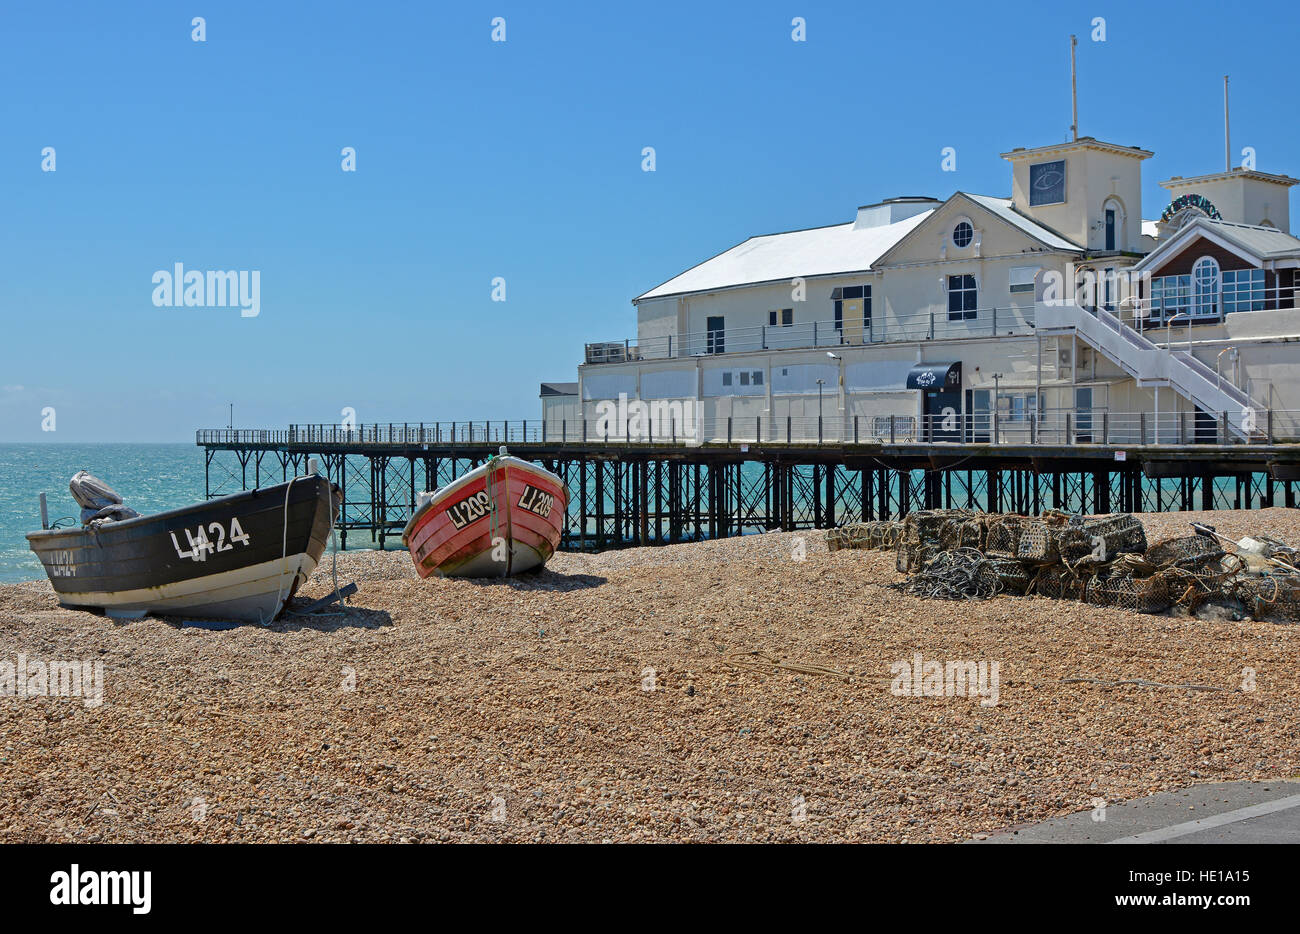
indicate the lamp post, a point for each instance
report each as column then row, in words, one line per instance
column 996, row 378
column 820, row 383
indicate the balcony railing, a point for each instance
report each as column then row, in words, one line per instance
column 666, row 425
column 1171, row 310
column 884, row 328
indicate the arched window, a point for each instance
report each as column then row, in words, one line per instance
column 1205, row 287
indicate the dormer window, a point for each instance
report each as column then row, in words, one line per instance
column 963, row 234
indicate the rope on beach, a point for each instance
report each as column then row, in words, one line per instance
column 960, row 574
column 761, row 661
column 1142, row 683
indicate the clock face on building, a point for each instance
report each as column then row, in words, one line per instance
column 1047, row 183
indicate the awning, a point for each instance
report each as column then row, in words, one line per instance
column 935, row 376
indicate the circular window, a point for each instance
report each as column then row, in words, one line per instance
column 963, row 233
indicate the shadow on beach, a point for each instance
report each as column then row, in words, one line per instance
column 330, row 620
column 540, row 580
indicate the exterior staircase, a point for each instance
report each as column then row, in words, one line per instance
column 1151, row 365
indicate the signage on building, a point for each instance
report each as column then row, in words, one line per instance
column 1197, row 202
column 1047, row 183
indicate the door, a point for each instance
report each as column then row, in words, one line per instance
column 1083, row 415
column 1110, row 228
column 942, row 415
column 1205, row 428
column 716, row 339
column 979, row 420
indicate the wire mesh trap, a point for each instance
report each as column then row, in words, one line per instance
column 1104, row 561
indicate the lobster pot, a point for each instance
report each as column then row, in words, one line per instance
column 1003, row 536
column 914, row 557
column 864, row 535
column 1139, row 594
column 1271, row 598
column 849, row 536
column 1003, row 575
column 1072, row 542
column 962, row 533
column 1122, row 534
column 924, row 527
column 1037, row 543
column 887, row 534
column 1194, row 580
column 1186, row 551
column 1059, row 584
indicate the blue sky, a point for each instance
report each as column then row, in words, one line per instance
column 477, row 159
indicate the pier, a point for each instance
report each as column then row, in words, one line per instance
column 755, row 478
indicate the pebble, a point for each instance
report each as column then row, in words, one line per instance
column 460, row 724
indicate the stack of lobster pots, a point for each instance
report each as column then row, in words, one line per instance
column 1101, row 560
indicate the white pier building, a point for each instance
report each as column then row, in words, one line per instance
column 1055, row 315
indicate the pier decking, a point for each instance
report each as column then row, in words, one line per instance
column 658, row 491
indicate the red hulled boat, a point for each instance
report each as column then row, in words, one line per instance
column 502, row 518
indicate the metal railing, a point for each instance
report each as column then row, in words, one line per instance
column 1052, row 427
column 404, row 433
column 932, row 324
column 935, row 323
column 1186, row 301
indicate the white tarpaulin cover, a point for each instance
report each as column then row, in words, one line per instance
column 98, row 500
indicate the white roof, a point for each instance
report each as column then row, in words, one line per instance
column 821, row 251
column 825, row 251
column 1151, row 228
column 1264, row 242
column 1002, row 208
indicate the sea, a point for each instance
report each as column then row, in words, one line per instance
column 152, row 478
column 149, row 477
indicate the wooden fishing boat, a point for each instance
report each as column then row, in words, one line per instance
column 502, row 518
column 235, row 557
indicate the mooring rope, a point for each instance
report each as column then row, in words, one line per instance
column 494, row 518
column 284, row 554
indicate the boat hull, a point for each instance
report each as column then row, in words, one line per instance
column 236, row 557
column 505, row 517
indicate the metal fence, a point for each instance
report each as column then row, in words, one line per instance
column 924, row 325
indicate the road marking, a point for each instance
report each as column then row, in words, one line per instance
column 1218, row 820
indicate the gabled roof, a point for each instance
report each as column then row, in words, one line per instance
column 1264, row 242
column 1250, row 242
column 1002, row 209
column 841, row 249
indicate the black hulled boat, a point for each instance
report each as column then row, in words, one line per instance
column 241, row 556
